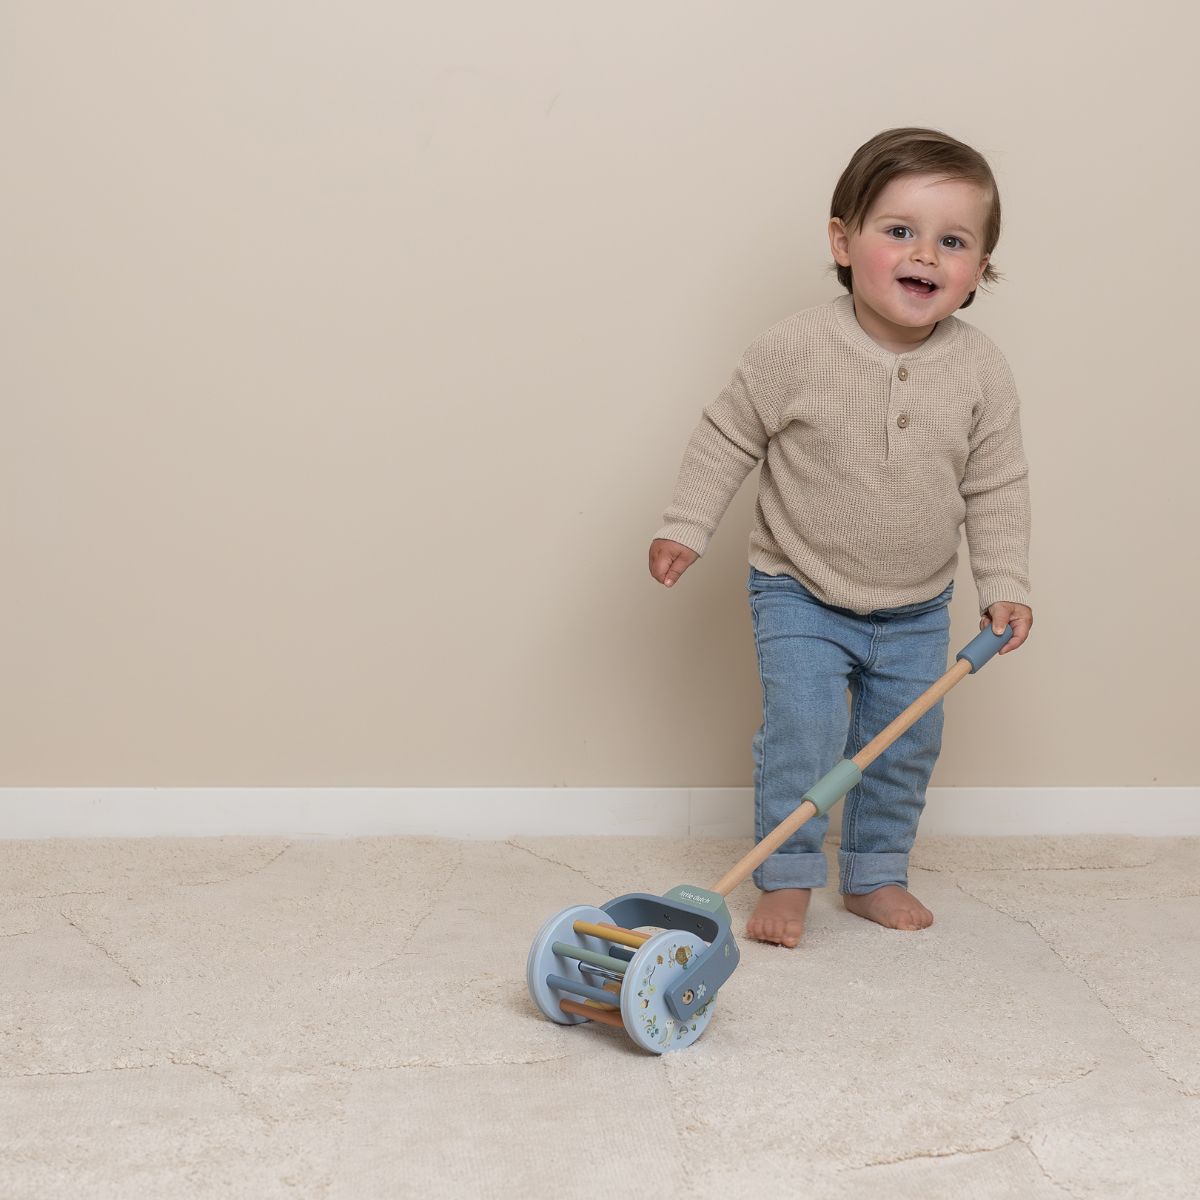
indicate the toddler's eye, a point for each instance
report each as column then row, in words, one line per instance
column 902, row 228
column 951, row 238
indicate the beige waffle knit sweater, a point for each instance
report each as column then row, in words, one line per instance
column 871, row 462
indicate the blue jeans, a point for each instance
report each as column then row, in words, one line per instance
column 809, row 653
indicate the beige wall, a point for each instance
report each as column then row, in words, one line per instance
column 350, row 351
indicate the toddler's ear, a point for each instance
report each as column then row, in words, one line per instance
column 839, row 242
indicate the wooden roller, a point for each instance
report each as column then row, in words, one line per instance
column 613, row 933
column 604, row 1016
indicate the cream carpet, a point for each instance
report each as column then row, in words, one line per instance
column 346, row 1020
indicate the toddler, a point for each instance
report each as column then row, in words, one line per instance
column 883, row 424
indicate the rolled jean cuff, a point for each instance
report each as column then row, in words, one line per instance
column 791, row 871
column 862, row 873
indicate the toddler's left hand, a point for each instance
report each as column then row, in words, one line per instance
column 1002, row 614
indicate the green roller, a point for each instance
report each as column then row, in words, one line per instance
column 590, row 956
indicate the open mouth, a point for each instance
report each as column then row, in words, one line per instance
column 917, row 286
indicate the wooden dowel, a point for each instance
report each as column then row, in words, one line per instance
column 744, row 868
column 642, row 937
column 911, row 715
column 806, row 810
column 605, row 1017
column 613, row 933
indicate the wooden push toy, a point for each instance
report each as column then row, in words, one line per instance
column 651, row 965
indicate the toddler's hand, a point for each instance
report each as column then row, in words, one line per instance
column 1004, row 613
column 669, row 560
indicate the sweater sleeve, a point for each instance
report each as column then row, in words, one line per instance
column 729, row 440
column 995, row 487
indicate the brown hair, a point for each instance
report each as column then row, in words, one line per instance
column 911, row 151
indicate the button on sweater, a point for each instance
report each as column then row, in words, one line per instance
column 872, row 462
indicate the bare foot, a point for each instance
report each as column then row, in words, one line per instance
column 891, row 906
column 779, row 916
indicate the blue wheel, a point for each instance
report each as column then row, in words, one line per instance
column 657, row 964
column 543, row 961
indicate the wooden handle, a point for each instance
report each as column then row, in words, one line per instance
column 806, row 810
column 911, row 715
column 780, row 834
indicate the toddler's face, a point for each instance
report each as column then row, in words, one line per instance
column 923, row 226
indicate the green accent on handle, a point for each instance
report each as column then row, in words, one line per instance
column 830, row 788
column 590, row 956
column 701, row 898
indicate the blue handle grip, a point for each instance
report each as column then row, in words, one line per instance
column 980, row 649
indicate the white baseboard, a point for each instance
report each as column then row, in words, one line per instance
column 542, row 812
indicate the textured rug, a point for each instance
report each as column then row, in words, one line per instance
column 349, row 1019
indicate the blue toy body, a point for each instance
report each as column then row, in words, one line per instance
column 711, row 967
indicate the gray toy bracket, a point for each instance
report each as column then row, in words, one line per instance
column 709, row 969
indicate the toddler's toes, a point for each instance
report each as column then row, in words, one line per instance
column 779, row 917
column 891, row 906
